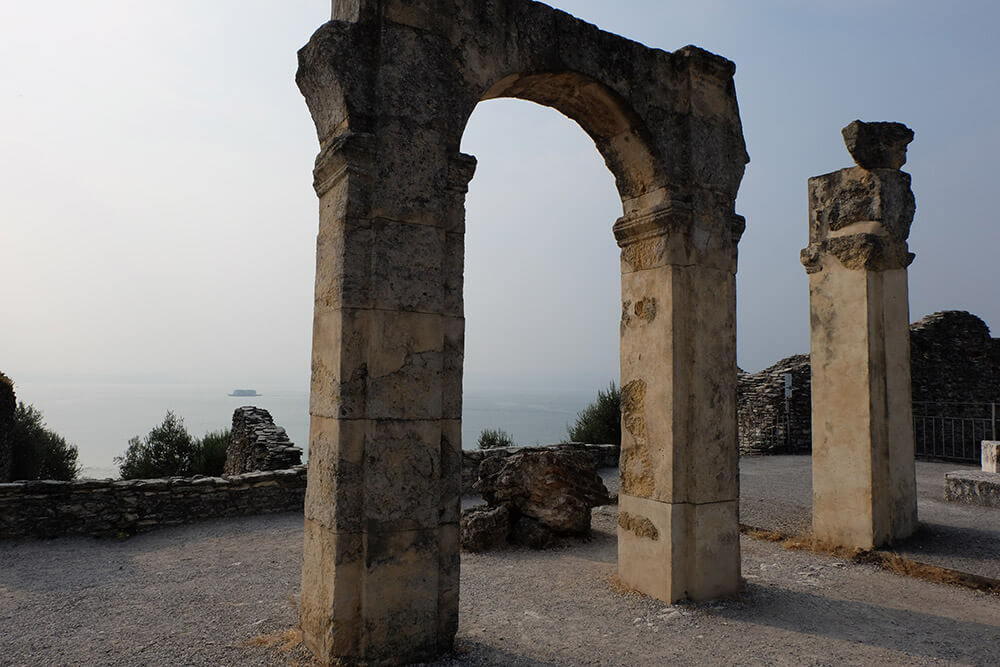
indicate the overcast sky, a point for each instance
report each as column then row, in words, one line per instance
column 157, row 219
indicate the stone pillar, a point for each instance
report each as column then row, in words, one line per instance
column 678, row 534
column 864, row 489
column 381, row 563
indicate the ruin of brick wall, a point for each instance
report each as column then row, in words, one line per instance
column 8, row 404
column 955, row 369
column 110, row 508
column 256, row 443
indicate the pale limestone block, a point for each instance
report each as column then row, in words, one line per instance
column 343, row 264
column 991, row 456
column 692, row 553
column 340, row 368
column 407, row 266
column 402, row 475
column 864, row 488
column 332, row 576
column 400, row 593
column 454, row 275
column 679, row 435
column 449, row 575
column 405, row 367
column 335, row 491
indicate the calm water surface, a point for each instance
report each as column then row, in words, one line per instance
column 101, row 418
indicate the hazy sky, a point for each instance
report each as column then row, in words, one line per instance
column 157, row 218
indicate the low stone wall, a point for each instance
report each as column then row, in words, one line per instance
column 973, row 487
column 605, row 456
column 108, row 508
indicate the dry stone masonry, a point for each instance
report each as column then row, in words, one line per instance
column 864, row 486
column 774, row 408
column 8, row 404
column 390, row 85
column 257, row 444
column 110, row 508
column 955, row 373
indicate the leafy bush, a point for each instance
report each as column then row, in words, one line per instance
column 36, row 451
column 165, row 452
column 210, row 454
column 600, row 423
column 169, row 450
column 495, row 439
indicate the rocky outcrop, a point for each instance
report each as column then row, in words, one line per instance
column 257, row 444
column 8, row 404
column 533, row 498
column 604, row 456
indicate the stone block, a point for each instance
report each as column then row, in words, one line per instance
column 340, row 366
column 344, row 264
column 990, row 456
column 335, row 493
column 679, row 551
column 854, row 196
column 973, row 487
column 405, row 368
column 877, row 145
column 402, row 476
column 407, row 266
column 332, row 576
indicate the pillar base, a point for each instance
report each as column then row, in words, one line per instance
column 679, row 551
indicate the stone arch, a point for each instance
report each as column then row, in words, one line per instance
column 390, row 85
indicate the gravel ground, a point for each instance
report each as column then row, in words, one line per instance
column 776, row 494
column 196, row 595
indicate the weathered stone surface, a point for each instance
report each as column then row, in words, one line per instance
column 955, row 372
column 774, row 408
column 109, row 508
column 391, row 85
column 991, row 456
column 864, row 487
column 878, row 145
column 8, row 403
column 604, row 456
column 556, row 488
column 485, row 528
column 973, row 487
column 256, row 443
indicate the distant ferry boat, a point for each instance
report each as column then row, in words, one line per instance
column 244, row 392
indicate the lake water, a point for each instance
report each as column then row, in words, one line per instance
column 100, row 418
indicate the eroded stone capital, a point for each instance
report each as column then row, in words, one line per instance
column 862, row 218
column 674, row 233
column 351, row 153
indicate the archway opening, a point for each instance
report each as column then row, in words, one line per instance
column 542, row 276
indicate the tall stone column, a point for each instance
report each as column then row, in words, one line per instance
column 678, row 534
column 864, row 489
column 381, row 564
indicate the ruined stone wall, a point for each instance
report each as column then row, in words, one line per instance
column 8, row 403
column 955, row 371
column 257, row 443
column 953, row 359
column 770, row 423
column 107, row 508
column 605, row 456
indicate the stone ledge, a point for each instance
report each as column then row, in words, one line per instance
column 973, row 487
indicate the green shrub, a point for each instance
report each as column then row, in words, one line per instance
column 600, row 423
column 495, row 439
column 210, row 454
column 165, row 452
column 37, row 452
